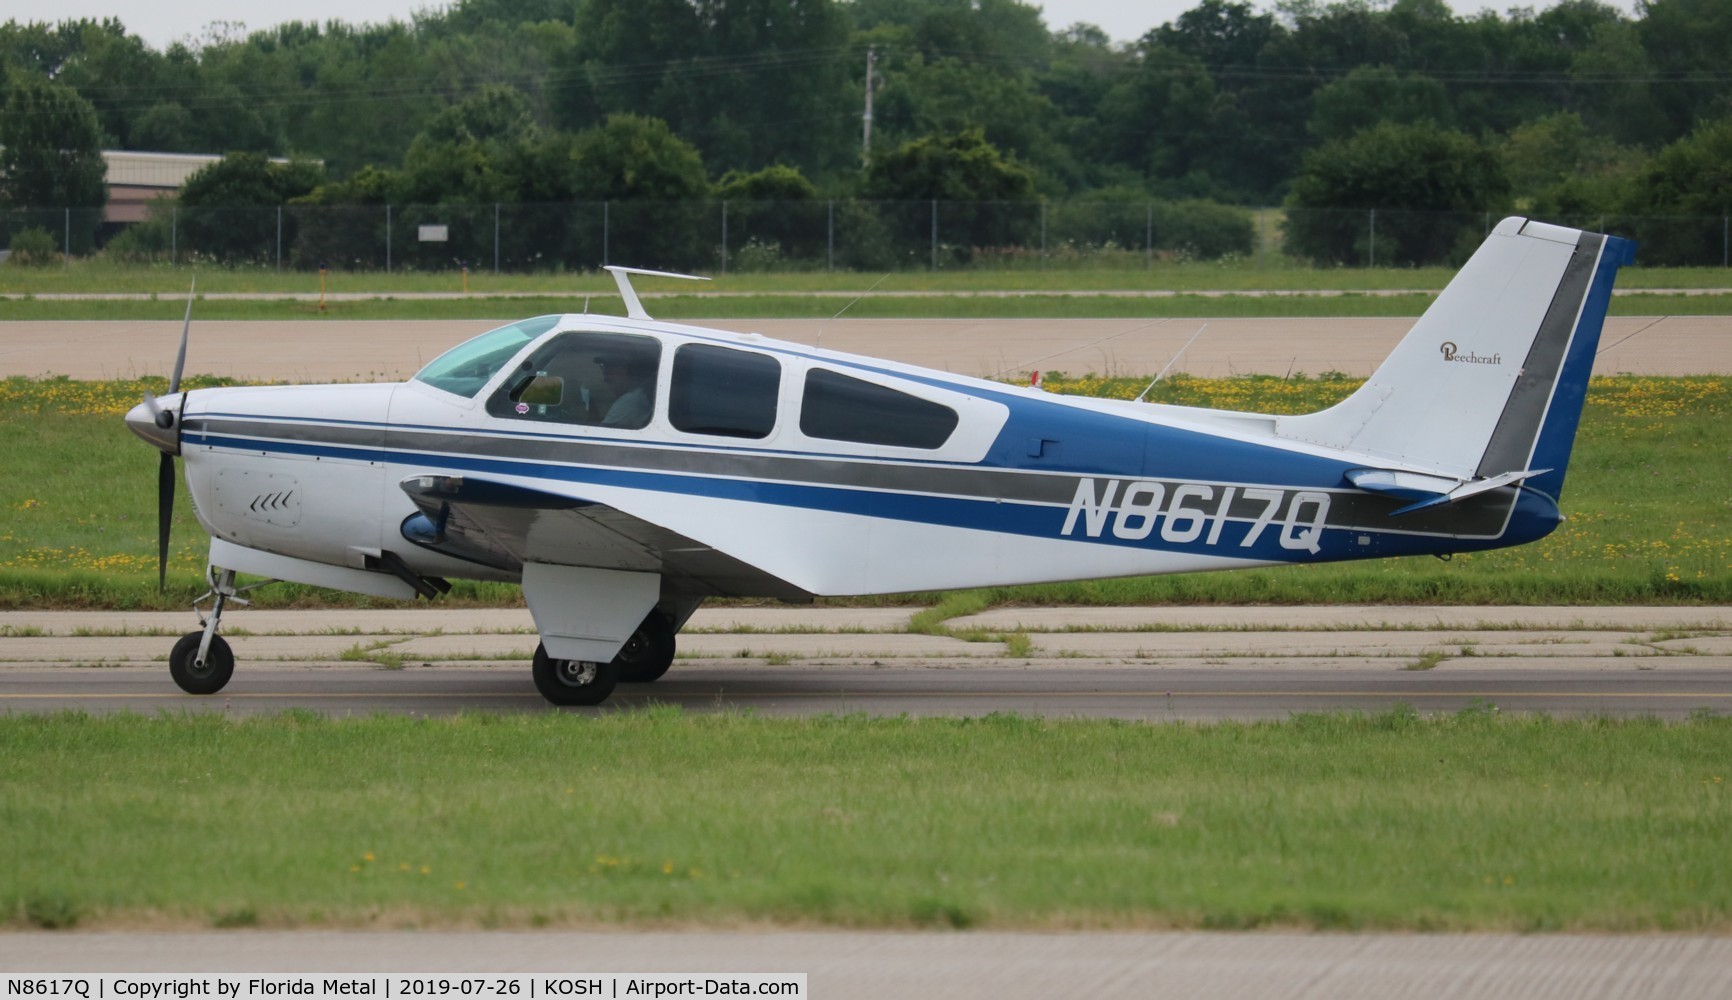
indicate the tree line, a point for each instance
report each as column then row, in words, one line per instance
column 1574, row 112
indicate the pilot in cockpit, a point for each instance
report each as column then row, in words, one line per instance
column 630, row 376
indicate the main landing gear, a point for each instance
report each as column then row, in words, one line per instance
column 644, row 658
column 202, row 662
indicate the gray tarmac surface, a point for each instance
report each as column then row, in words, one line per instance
column 386, row 350
column 1149, row 664
column 867, row 966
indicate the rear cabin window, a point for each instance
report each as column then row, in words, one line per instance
column 718, row 390
column 840, row 408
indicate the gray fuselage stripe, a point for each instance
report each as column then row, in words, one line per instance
column 1478, row 517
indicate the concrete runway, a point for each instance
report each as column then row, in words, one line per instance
column 320, row 351
column 1149, row 664
column 848, row 965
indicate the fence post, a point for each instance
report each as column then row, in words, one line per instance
column 174, row 235
column 1725, row 232
column 279, row 237
column 1148, row 236
column 68, row 236
column 387, row 239
column 830, row 238
column 604, row 233
column 1043, row 234
column 724, row 236
column 1373, row 238
column 496, row 238
column 935, row 234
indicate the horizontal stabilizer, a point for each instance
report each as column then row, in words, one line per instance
column 1426, row 491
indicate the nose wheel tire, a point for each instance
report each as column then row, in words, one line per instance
column 201, row 678
column 648, row 653
column 573, row 682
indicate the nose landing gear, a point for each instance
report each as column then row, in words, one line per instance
column 202, row 662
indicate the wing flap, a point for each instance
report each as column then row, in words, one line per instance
column 504, row 526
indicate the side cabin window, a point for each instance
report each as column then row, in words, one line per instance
column 838, row 407
column 718, row 390
column 584, row 377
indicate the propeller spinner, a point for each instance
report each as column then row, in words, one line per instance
column 157, row 422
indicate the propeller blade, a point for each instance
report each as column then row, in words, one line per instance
column 180, row 359
column 164, row 515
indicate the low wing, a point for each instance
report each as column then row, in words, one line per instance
column 502, row 525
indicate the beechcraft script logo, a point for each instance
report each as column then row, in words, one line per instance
column 1453, row 353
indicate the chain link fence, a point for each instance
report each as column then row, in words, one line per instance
column 813, row 235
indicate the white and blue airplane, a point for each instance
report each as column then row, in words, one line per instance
column 624, row 469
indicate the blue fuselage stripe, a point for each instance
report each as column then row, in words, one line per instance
column 1035, row 520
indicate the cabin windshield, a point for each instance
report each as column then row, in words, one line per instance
column 469, row 366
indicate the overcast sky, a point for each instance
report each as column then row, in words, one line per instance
column 160, row 22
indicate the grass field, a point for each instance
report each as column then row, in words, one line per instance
column 1467, row 822
column 785, row 306
column 1022, row 293
column 1276, row 274
column 1649, row 516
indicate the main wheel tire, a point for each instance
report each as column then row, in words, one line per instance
column 206, row 678
column 573, row 682
column 648, row 653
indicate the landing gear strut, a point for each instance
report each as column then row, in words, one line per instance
column 202, row 662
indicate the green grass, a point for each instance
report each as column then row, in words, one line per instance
column 1649, row 519
column 1468, row 822
column 686, row 307
column 1126, row 272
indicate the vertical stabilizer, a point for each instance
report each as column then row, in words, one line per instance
column 1490, row 381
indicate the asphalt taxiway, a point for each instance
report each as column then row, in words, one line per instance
column 389, row 350
column 1148, row 664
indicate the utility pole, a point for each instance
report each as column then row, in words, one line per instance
column 871, row 82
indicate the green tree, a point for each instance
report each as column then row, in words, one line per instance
column 979, row 187
column 652, row 183
column 774, row 217
column 948, row 95
column 1161, row 119
column 1431, row 190
column 1686, row 194
column 1371, row 94
column 1689, row 39
column 52, row 158
column 230, row 208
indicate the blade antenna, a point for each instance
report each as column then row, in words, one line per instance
column 1176, row 357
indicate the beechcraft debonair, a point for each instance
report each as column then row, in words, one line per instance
column 624, row 469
